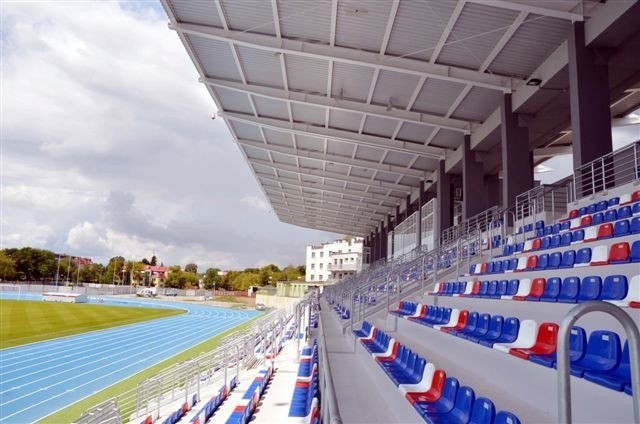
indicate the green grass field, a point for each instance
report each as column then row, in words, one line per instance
column 24, row 322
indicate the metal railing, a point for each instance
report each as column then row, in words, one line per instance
column 329, row 411
column 633, row 337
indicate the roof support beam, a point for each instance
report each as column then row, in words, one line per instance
column 447, row 31
column 363, row 205
column 303, row 212
column 334, row 134
column 524, row 7
column 546, row 152
column 318, row 155
column 351, row 212
column 350, row 56
column 344, row 105
column 311, row 217
column 321, row 227
column 332, row 175
column 390, row 21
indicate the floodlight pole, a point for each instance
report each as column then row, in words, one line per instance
column 58, row 271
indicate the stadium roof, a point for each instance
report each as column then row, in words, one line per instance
column 342, row 107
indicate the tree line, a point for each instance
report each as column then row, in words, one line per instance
column 39, row 265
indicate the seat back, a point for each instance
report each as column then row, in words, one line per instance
column 482, row 323
column 450, row 391
column 501, row 290
column 619, row 253
column 624, row 212
column 512, row 288
column 614, row 287
column 568, row 259
column 524, row 288
column 511, row 327
column 551, row 289
column 554, row 241
column 635, row 251
column 484, row 286
column 605, row 345
column 621, row 228
column 591, row 233
column 483, row 411
column 493, row 288
column 601, row 206
column 634, row 228
column 506, row 417
column 464, row 404
column 565, row 239
column 548, row 334
column 585, row 221
column 577, row 236
column 597, row 218
column 577, row 343
column 522, row 263
column 590, row 288
column 495, row 326
column 569, row 289
column 613, row 201
column 472, row 321
column 537, row 287
column 583, row 257
column 555, row 259
column 610, row 215
column 532, row 262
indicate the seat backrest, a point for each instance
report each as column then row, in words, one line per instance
column 583, row 256
column 575, row 223
column 601, row 205
column 605, row 344
column 614, row 287
column 568, row 258
column 590, row 233
column 585, row 221
column 610, row 215
column 554, row 241
column 548, row 333
column 476, row 287
column 450, row 390
column 591, row 208
column 489, row 268
column 597, row 218
column 512, row 287
column 570, row 288
column 555, row 259
column 532, row 262
column 552, row 288
column 464, row 403
column 524, row 288
column 511, row 326
column 556, row 228
column 536, row 244
column 483, row 322
column 582, row 210
column 635, row 251
column 605, row 231
column 483, row 411
column 506, row 417
column 577, row 236
column 613, row 201
column 544, row 244
column 590, row 288
column 513, row 263
column 634, row 228
column 543, row 261
column 522, row 263
column 619, row 252
column 497, row 266
column 573, row 213
column 493, row 288
column 621, row 228
column 472, row 320
column 565, row 239
column 577, row 343
column 624, row 212
column 537, row 287
column 505, row 265
column 565, row 225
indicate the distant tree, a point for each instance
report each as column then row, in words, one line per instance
column 7, row 267
column 113, row 271
column 91, row 273
column 145, row 261
column 154, row 261
column 180, row 279
column 192, row 268
column 244, row 280
column 33, row 264
column 211, row 278
column 302, row 269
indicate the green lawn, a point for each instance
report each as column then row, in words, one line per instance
column 24, row 322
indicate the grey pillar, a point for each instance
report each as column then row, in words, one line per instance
column 473, row 191
column 389, row 230
column 589, row 94
column 517, row 160
column 384, row 230
column 445, row 200
column 407, row 206
column 421, row 197
column 492, row 185
column 373, row 246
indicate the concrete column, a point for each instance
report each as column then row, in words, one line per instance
column 517, row 159
column 365, row 244
column 373, row 247
column 421, row 201
column 492, row 185
column 407, row 206
column 474, row 198
column 589, row 95
column 384, row 230
column 445, row 200
column 389, row 230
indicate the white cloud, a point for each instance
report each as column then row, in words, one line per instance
column 256, row 202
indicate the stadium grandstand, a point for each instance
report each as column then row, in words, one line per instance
column 486, row 297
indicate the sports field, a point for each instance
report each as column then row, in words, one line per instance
column 24, row 322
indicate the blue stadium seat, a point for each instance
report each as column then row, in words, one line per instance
column 554, row 241
column 472, row 321
column 590, row 288
column 591, row 209
column 577, row 349
column 601, row 206
column 508, row 334
column 621, row 228
column 548, row 230
column 540, row 232
column 610, row 215
column 568, row 259
column 569, row 290
column 484, row 287
column 565, row 225
column 502, row 288
column 582, row 211
column 519, row 247
column 492, row 289
column 554, row 260
column 489, row 269
column 543, row 260
column 624, row 212
column 565, row 239
column 551, row 290
column 444, row 404
column 512, row 264
column 613, row 201
column 544, row 244
column 556, row 228
column 635, row 224
column 497, row 267
column 539, row 224
column 507, row 250
column 492, row 330
column 577, row 236
column 480, row 328
column 512, row 287
column 483, row 412
column 506, row 417
column 597, row 218
column 618, row 378
column 636, row 209
column 583, row 257
column 461, row 412
column 614, row 288
column 602, row 355
column 635, row 252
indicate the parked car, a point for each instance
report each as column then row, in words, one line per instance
column 260, row 307
column 146, row 293
column 173, row 293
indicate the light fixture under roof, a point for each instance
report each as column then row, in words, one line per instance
column 356, row 12
column 534, row 82
column 541, row 169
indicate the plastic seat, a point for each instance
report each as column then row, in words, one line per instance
column 591, row 208
column 537, row 289
column 621, row 228
column 501, row 290
column 492, row 289
column 484, row 286
column 619, row 253
column 635, row 197
column 424, row 380
column 532, row 263
column 543, row 260
column 555, row 259
column 433, row 393
column 585, row 221
column 569, row 290
column 506, row 417
column 544, row 243
column 548, row 230
column 556, row 228
column 583, row 257
column 535, row 245
column 602, row 355
column 554, row 241
column 456, row 323
column 568, row 259
column 590, row 288
column 610, row 215
column 527, row 246
column 539, row 224
column 634, row 227
column 545, row 343
column 597, row 218
column 575, row 223
column 605, row 231
column 483, row 412
column 518, row 248
column 497, row 267
column 601, row 206
column 444, row 404
column 635, row 252
column 565, row 239
column 600, row 255
column 590, row 234
column 509, row 333
column 572, row 214
column 625, row 199
column 614, row 287
column 494, row 330
column 577, row 348
column 577, row 236
column 618, row 378
column 470, row 327
column 461, row 412
column 507, row 250
column 525, row 339
column 551, row 290
column 522, row 264
column 632, row 299
column 524, row 288
column 565, row 225
column 624, row 212
column 613, row 201
column 635, row 210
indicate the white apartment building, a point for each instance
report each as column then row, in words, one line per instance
column 333, row 261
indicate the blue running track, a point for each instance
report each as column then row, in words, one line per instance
column 41, row 378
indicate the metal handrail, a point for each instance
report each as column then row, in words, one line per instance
column 330, row 409
column 633, row 337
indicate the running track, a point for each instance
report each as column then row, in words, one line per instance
column 41, row 378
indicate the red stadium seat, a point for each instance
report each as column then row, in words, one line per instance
column 619, row 253
column 605, row 231
column 545, row 342
column 536, row 244
column 537, row 289
column 431, row 395
column 462, row 322
column 585, row 221
column 532, row 263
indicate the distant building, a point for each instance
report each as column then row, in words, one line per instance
column 331, row 262
column 78, row 261
column 156, row 274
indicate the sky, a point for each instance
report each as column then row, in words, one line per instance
column 108, row 147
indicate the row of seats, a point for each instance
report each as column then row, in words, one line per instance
column 304, row 402
column 601, row 358
column 342, row 311
column 207, row 411
column 604, row 231
column 624, row 199
column 614, row 288
column 182, row 410
column 434, row 395
column 244, row 411
column 617, row 253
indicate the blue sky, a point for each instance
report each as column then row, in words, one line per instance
column 108, row 147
